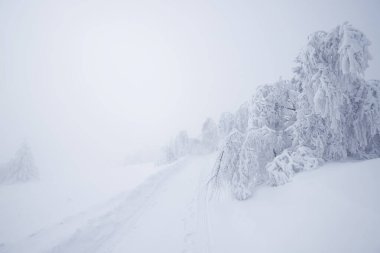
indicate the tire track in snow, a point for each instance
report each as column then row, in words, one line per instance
column 101, row 230
column 190, row 227
column 103, row 233
column 197, row 228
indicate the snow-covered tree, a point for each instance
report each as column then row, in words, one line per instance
column 226, row 124
column 328, row 111
column 245, row 154
column 273, row 106
column 176, row 148
column 242, row 117
column 210, row 135
column 21, row 168
column 181, row 144
column 330, row 74
column 337, row 112
column 227, row 160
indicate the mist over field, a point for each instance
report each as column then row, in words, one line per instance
column 87, row 82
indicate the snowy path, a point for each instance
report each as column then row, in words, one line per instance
column 158, row 216
column 335, row 208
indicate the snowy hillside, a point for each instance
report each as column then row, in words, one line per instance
column 333, row 209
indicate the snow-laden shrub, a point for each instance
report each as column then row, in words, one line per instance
column 282, row 168
column 252, row 158
column 326, row 112
column 226, row 124
column 242, row 117
column 273, row 105
column 244, row 154
column 210, row 135
column 177, row 148
column 181, row 144
column 228, row 158
column 21, row 168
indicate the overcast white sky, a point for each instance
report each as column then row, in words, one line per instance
column 86, row 82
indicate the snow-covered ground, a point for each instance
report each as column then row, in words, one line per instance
column 335, row 208
column 61, row 193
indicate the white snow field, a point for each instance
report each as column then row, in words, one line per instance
column 335, row 208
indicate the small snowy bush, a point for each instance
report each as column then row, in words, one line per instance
column 226, row 124
column 210, row 135
column 20, row 169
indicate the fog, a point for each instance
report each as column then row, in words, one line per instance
column 87, row 82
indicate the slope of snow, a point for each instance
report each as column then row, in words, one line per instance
column 332, row 209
